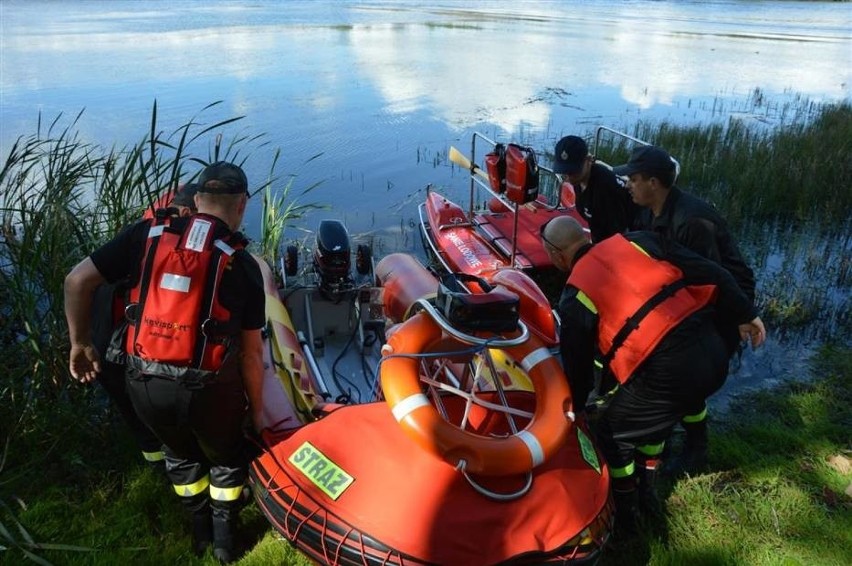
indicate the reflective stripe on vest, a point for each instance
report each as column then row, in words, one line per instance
column 638, row 299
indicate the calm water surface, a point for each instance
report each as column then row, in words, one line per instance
column 366, row 97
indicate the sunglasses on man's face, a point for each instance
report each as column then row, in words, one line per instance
column 544, row 238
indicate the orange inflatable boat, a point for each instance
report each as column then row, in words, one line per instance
column 392, row 436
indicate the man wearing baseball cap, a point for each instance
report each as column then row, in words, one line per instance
column 602, row 199
column 686, row 219
column 192, row 355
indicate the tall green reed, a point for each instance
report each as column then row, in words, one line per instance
column 280, row 208
column 798, row 171
column 61, row 197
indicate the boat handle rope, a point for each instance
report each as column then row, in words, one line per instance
column 473, row 340
column 473, row 399
column 493, row 494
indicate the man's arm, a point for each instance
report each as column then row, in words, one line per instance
column 251, row 338
column 84, row 361
column 251, row 364
column 577, row 345
column 731, row 299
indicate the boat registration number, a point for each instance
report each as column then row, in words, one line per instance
column 320, row 470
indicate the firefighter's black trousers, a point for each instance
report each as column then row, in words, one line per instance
column 687, row 366
column 112, row 376
column 201, row 429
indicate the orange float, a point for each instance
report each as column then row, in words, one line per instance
column 517, row 453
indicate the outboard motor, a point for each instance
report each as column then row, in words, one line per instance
column 332, row 261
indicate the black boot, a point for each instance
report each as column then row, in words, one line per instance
column 695, row 447
column 649, row 499
column 202, row 529
column 224, row 527
column 626, row 506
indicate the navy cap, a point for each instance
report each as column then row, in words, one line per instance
column 646, row 159
column 569, row 155
column 222, row 178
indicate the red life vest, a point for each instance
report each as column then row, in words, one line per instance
column 177, row 327
column 637, row 305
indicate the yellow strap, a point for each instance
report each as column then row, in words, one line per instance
column 153, row 456
column 587, row 302
column 651, row 449
column 225, row 493
column 696, row 418
column 192, row 489
column 638, row 247
column 624, row 472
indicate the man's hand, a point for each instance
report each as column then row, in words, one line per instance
column 754, row 332
column 85, row 363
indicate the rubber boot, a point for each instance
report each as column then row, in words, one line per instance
column 202, row 529
column 695, row 447
column 626, row 506
column 224, row 527
column 649, row 499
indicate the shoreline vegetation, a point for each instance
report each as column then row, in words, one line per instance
column 74, row 491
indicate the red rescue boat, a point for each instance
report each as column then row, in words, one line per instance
column 394, row 437
column 505, row 233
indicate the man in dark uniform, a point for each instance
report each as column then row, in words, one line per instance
column 683, row 218
column 106, row 308
column 648, row 309
column 602, row 199
column 196, row 409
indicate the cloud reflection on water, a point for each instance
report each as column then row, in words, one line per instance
column 466, row 67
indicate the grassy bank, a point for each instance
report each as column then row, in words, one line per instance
column 780, row 486
column 780, row 464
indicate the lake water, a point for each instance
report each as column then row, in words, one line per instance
column 365, row 97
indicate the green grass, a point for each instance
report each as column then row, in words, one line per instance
column 774, row 494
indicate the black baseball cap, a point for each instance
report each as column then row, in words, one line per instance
column 646, row 159
column 185, row 195
column 569, row 155
column 231, row 180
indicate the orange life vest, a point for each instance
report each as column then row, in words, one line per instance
column 178, row 328
column 637, row 305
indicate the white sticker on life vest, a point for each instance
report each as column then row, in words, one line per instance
column 198, row 234
column 175, row 282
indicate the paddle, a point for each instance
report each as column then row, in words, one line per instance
column 459, row 159
column 462, row 161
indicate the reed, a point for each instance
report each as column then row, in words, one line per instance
column 280, row 207
column 60, row 198
column 798, row 171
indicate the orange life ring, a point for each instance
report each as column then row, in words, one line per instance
column 514, row 454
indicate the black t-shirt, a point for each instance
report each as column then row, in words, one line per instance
column 605, row 203
column 241, row 290
column 694, row 223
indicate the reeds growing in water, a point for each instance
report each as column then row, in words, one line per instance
column 61, row 197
